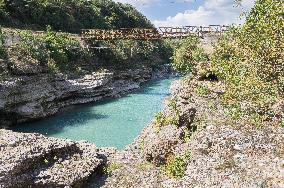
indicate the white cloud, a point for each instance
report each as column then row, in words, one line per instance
column 221, row 12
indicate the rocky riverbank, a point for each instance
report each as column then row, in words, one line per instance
column 203, row 147
column 36, row 96
column 32, row 160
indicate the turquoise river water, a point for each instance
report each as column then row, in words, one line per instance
column 111, row 123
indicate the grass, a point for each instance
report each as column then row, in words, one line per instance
column 145, row 166
column 176, row 166
column 110, row 168
column 282, row 123
column 142, row 145
column 202, row 91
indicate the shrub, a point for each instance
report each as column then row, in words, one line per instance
column 110, row 168
column 31, row 46
column 3, row 13
column 202, row 91
column 172, row 119
column 131, row 53
column 175, row 112
column 250, row 61
column 162, row 120
column 176, row 166
column 58, row 51
column 188, row 55
column 2, row 48
column 73, row 15
column 62, row 48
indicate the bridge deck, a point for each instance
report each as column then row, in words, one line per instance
column 151, row 34
column 12, row 37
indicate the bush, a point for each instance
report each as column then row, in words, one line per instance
column 3, row 13
column 132, row 53
column 62, row 48
column 2, row 48
column 250, row 61
column 176, row 167
column 110, row 168
column 73, row 15
column 202, row 91
column 188, row 55
column 56, row 50
column 172, row 119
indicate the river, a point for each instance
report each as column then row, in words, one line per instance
column 111, row 123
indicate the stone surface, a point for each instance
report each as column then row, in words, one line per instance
column 24, row 98
column 158, row 146
column 221, row 155
column 32, row 160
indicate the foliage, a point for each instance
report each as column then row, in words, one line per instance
column 202, row 91
column 145, row 166
column 55, row 50
column 108, row 169
column 62, row 48
column 72, row 15
column 176, row 167
column 126, row 53
column 282, row 123
column 142, row 145
column 160, row 119
column 172, row 119
column 3, row 13
column 187, row 136
column 2, row 48
column 175, row 112
column 250, row 61
column 188, row 55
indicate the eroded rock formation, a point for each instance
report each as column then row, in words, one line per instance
column 32, row 160
column 24, row 98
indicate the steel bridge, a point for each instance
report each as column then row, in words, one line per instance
column 153, row 33
column 13, row 38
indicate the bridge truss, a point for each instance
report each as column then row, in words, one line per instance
column 151, row 34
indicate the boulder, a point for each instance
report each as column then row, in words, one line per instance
column 159, row 146
column 32, row 160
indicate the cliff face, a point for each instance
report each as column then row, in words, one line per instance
column 204, row 148
column 32, row 160
column 36, row 96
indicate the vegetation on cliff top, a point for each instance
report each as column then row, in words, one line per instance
column 249, row 59
column 188, row 56
column 61, row 52
column 70, row 15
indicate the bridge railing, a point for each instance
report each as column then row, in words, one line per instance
column 151, row 34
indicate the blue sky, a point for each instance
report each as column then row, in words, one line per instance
column 190, row 12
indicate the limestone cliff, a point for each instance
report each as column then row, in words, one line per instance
column 24, row 98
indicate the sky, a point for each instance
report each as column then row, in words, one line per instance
column 191, row 12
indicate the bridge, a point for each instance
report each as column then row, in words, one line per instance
column 13, row 38
column 153, row 33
